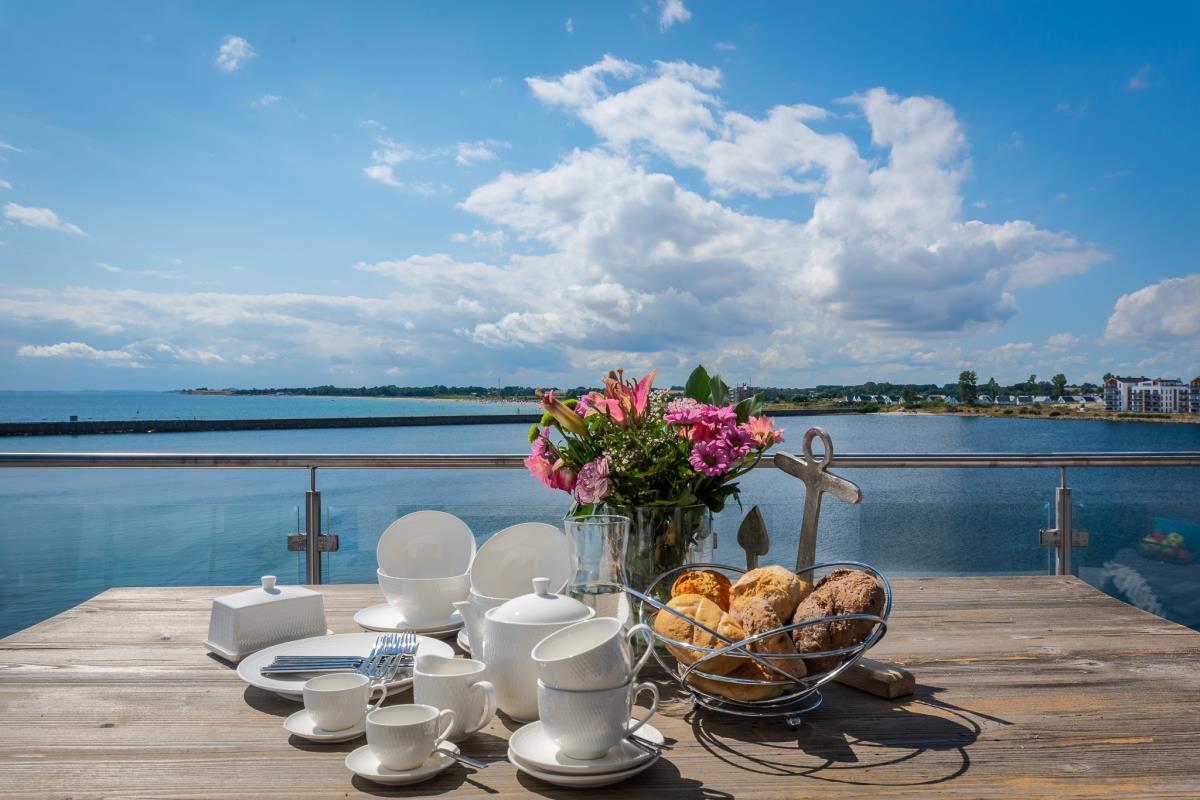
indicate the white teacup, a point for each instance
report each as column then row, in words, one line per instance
column 340, row 701
column 586, row 725
column 594, row 654
column 456, row 684
column 402, row 737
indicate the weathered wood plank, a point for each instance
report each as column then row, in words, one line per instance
column 1027, row 686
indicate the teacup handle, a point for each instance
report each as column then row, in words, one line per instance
column 648, row 635
column 383, row 693
column 489, row 703
column 644, row 687
column 446, row 715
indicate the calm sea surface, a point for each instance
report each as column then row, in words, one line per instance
column 68, row 534
column 61, row 406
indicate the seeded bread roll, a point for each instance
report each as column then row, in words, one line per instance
column 843, row 591
column 742, row 692
column 705, row 582
column 757, row 615
column 707, row 613
column 778, row 585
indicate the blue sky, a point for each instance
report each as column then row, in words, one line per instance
column 229, row 194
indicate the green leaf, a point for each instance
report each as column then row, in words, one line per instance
column 698, row 387
column 719, row 391
column 744, row 409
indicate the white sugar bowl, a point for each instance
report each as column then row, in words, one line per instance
column 248, row 621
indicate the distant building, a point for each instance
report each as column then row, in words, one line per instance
column 1194, row 403
column 1160, row 395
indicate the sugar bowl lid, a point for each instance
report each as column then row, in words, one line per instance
column 540, row 607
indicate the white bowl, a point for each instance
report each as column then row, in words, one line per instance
column 508, row 561
column 424, row 601
column 426, row 544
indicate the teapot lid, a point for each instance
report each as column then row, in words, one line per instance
column 540, row 607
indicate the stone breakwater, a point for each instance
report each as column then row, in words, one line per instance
column 91, row 427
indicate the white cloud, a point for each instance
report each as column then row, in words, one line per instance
column 570, row 25
column 5, row 185
column 266, row 101
column 234, row 51
column 886, row 244
column 39, row 218
column 724, row 47
column 671, row 12
column 479, row 238
column 73, row 350
column 1062, row 341
column 1140, row 79
column 1161, row 314
column 467, row 153
column 10, row 148
column 980, row 204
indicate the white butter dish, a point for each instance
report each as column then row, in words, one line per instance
column 247, row 621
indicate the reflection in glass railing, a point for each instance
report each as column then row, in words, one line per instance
column 56, row 556
column 1144, row 541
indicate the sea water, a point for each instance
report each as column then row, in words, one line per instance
column 69, row 534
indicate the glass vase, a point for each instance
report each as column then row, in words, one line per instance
column 662, row 538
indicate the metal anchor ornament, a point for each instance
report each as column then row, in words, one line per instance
column 817, row 481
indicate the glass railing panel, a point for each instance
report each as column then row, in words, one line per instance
column 59, row 555
column 1144, row 537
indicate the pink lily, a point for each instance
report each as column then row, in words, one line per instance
column 565, row 417
column 625, row 401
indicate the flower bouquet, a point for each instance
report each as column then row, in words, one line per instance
column 666, row 460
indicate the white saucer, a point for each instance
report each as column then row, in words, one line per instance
column 534, row 749
column 339, row 644
column 463, row 641
column 303, row 725
column 363, row 763
column 581, row 781
column 386, row 619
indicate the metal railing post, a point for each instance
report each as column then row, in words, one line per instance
column 1063, row 537
column 1062, row 521
column 312, row 530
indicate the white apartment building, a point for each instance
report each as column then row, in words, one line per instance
column 1161, row 395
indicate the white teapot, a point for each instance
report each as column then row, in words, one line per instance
column 510, row 632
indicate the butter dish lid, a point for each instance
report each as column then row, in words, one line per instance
column 268, row 592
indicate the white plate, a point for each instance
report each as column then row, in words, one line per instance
column 426, row 544
column 509, row 560
column 464, row 641
column 388, row 620
column 339, row 644
column 581, row 781
column 363, row 763
column 303, row 725
column 538, row 751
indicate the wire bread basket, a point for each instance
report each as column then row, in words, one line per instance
column 793, row 696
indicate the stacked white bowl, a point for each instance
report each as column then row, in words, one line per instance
column 425, row 566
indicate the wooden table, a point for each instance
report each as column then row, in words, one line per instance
column 1027, row 687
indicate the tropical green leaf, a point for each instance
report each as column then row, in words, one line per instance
column 744, row 409
column 698, row 387
column 719, row 391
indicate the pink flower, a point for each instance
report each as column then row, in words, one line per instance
column 593, row 483
column 561, row 477
column 762, row 429
column 565, row 417
column 624, row 401
column 710, row 458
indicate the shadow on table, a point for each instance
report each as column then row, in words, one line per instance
column 851, row 739
column 664, row 774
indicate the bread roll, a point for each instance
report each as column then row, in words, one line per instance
column 778, row 585
column 843, row 591
column 708, row 613
column 705, row 582
column 742, row 692
column 757, row 615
